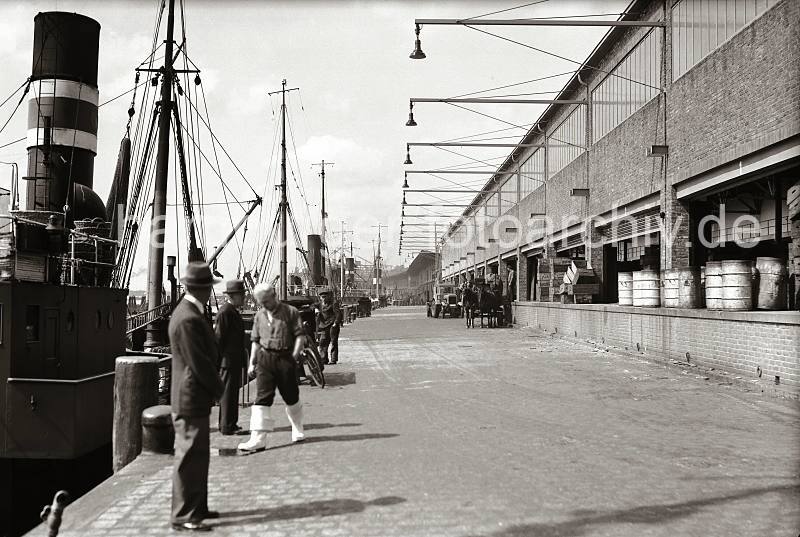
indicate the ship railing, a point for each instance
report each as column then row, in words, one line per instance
column 146, row 317
column 75, row 263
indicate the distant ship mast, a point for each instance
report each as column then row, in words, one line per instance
column 284, row 205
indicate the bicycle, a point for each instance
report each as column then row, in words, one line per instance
column 309, row 356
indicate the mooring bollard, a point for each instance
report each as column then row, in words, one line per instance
column 51, row 514
column 135, row 388
column 158, row 433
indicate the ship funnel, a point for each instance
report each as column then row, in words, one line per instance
column 118, row 196
column 315, row 259
column 62, row 116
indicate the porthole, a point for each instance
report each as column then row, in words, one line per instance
column 70, row 325
column 110, row 320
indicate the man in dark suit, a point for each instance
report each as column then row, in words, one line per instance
column 229, row 330
column 195, row 386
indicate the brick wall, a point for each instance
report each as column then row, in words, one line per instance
column 736, row 342
column 620, row 171
column 739, row 99
column 522, row 277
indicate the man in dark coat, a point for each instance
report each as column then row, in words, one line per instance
column 229, row 330
column 195, row 386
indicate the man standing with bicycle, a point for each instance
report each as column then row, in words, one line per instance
column 277, row 340
column 329, row 321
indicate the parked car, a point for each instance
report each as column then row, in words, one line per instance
column 446, row 301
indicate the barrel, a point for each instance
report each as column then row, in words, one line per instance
column 737, row 285
column 646, row 289
column 681, row 288
column 771, row 290
column 714, row 285
column 625, row 288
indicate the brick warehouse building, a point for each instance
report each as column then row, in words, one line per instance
column 422, row 276
column 698, row 118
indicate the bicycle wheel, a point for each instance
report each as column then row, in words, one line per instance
column 314, row 364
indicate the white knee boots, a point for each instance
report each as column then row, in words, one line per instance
column 261, row 423
column 295, row 414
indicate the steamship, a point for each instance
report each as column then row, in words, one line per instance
column 62, row 321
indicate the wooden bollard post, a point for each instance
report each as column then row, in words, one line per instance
column 135, row 388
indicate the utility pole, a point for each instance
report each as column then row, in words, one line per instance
column 284, row 204
column 378, row 262
column 436, row 254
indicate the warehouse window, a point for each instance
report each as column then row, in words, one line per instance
column 508, row 194
column 531, row 173
column 492, row 208
column 632, row 83
column 567, row 141
column 701, row 26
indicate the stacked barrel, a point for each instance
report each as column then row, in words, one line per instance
column 646, row 289
column 732, row 285
column 681, row 288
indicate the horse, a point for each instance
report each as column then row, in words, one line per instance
column 489, row 302
column 469, row 301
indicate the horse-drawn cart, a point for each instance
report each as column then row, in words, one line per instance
column 483, row 299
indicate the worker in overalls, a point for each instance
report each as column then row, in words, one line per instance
column 277, row 340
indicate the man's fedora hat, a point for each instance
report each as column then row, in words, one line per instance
column 198, row 274
column 234, row 286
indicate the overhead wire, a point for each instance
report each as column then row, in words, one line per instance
column 553, row 54
column 507, row 9
column 506, row 86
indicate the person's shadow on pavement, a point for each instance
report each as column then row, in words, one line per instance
column 320, row 508
column 336, row 438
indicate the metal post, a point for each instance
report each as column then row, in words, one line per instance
column 155, row 276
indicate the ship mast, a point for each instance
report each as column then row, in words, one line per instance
column 327, row 268
column 284, row 200
column 284, row 205
column 155, row 270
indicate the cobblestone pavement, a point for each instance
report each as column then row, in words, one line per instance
column 434, row 430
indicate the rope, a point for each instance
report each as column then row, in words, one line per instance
column 22, row 98
column 27, row 81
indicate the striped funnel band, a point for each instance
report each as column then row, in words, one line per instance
column 72, row 111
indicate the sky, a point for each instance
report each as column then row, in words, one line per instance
column 350, row 61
